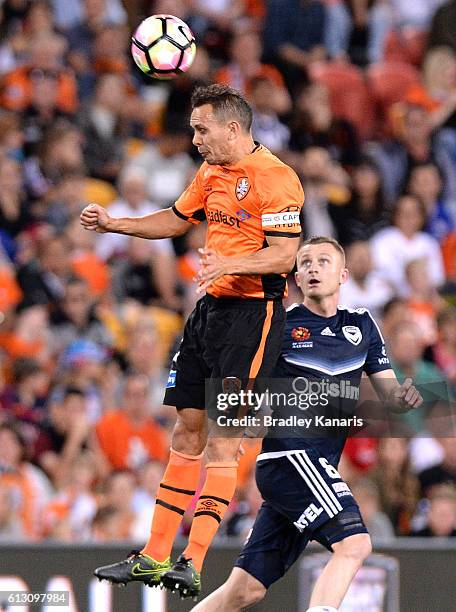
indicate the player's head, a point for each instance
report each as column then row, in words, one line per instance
column 221, row 119
column 320, row 268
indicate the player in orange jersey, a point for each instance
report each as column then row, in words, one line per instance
column 251, row 201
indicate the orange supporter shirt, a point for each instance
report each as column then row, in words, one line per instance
column 127, row 446
column 243, row 204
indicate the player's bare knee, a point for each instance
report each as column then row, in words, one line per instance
column 356, row 547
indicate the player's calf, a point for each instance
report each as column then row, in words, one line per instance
column 239, row 592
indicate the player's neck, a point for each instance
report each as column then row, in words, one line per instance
column 245, row 147
column 326, row 307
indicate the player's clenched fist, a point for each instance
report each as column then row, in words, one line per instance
column 95, row 218
column 407, row 396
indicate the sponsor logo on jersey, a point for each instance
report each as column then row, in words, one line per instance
column 219, row 216
column 383, row 360
column 327, row 332
column 300, row 333
column 352, row 333
column 242, row 214
column 242, row 187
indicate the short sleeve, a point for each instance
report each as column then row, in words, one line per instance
column 189, row 206
column 282, row 198
column 377, row 359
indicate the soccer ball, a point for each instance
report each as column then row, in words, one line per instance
column 163, row 46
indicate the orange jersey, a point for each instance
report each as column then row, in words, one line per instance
column 243, row 204
column 126, row 446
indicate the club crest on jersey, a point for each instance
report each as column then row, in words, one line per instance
column 242, row 187
column 352, row 333
column 300, row 334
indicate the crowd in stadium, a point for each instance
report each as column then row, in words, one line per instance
column 358, row 96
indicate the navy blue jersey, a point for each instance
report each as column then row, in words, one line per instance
column 334, row 352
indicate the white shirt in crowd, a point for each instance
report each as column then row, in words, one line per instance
column 392, row 251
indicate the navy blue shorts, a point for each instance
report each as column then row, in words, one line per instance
column 305, row 499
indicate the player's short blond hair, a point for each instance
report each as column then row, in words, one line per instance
column 321, row 240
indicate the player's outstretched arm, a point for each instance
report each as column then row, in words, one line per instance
column 277, row 258
column 160, row 224
column 399, row 398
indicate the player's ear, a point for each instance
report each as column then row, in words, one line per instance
column 234, row 128
column 344, row 276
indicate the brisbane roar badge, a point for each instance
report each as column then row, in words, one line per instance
column 242, row 187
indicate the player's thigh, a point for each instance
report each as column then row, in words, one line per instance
column 244, row 341
column 273, row 545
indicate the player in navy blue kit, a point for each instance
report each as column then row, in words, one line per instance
column 327, row 347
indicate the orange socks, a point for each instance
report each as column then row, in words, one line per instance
column 213, row 502
column 174, row 495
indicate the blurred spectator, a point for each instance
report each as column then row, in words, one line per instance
column 444, row 472
column 143, row 503
column 364, row 214
column 413, row 145
column 442, row 31
column 367, row 496
column 11, row 529
column 397, row 485
column 406, row 350
column 167, row 164
column 24, row 399
column 119, row 492
column 134, row 202
column 324, row 183
column 147, row 275
column 441, row 516
column 60, row 154
column 362, row 23
column 43, row 111
column 76, row 318
column 81, row 38
column 423, row 300
column 74, row 12
column 437, row 91
column 66, row 200
column 394, row 247
column 11, row 136
column 45, row 59
column 364, row 288
column 27, row 484
column 293, row 36
column 444, row 350
column 425, row 183
column 86, row 264
column 267, row 127
column 417, row 14
column 64, row 435
column 71, row 510
column 245, row 65
column 107, row 524
column 129, row 437
column 313, row 124
column 246, row 507
column 44, row 280
column 103, row 127
column 14, row 209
